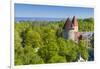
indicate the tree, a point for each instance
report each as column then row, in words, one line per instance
column 83, row 49
column 31, row 57
column 33, row 39
column 48, row 51
column 62, row 46
column 18, row 49
column 57, row 59
column 68, row 49
column 72, row 51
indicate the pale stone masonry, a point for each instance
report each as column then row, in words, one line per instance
column 71, row 30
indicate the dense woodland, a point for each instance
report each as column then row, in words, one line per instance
column 39, row 42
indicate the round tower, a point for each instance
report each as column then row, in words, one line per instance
column 71, row 34
column 70, row 28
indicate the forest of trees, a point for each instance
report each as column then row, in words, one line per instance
column 40, row 42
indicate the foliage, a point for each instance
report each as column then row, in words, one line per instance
column 57, row 59
column 83, row 49
column 39, row 42
column 86, row 25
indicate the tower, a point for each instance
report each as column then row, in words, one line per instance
column 70, row 29
column 75, row 24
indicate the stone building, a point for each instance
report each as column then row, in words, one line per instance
column 71, row 30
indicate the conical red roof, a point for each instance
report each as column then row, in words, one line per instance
column 74, row 21
column 67, row 24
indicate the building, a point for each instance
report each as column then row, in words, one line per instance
column 71, row 30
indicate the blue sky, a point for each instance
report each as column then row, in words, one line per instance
column 30, row 10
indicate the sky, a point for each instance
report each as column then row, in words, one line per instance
column 30, row 10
